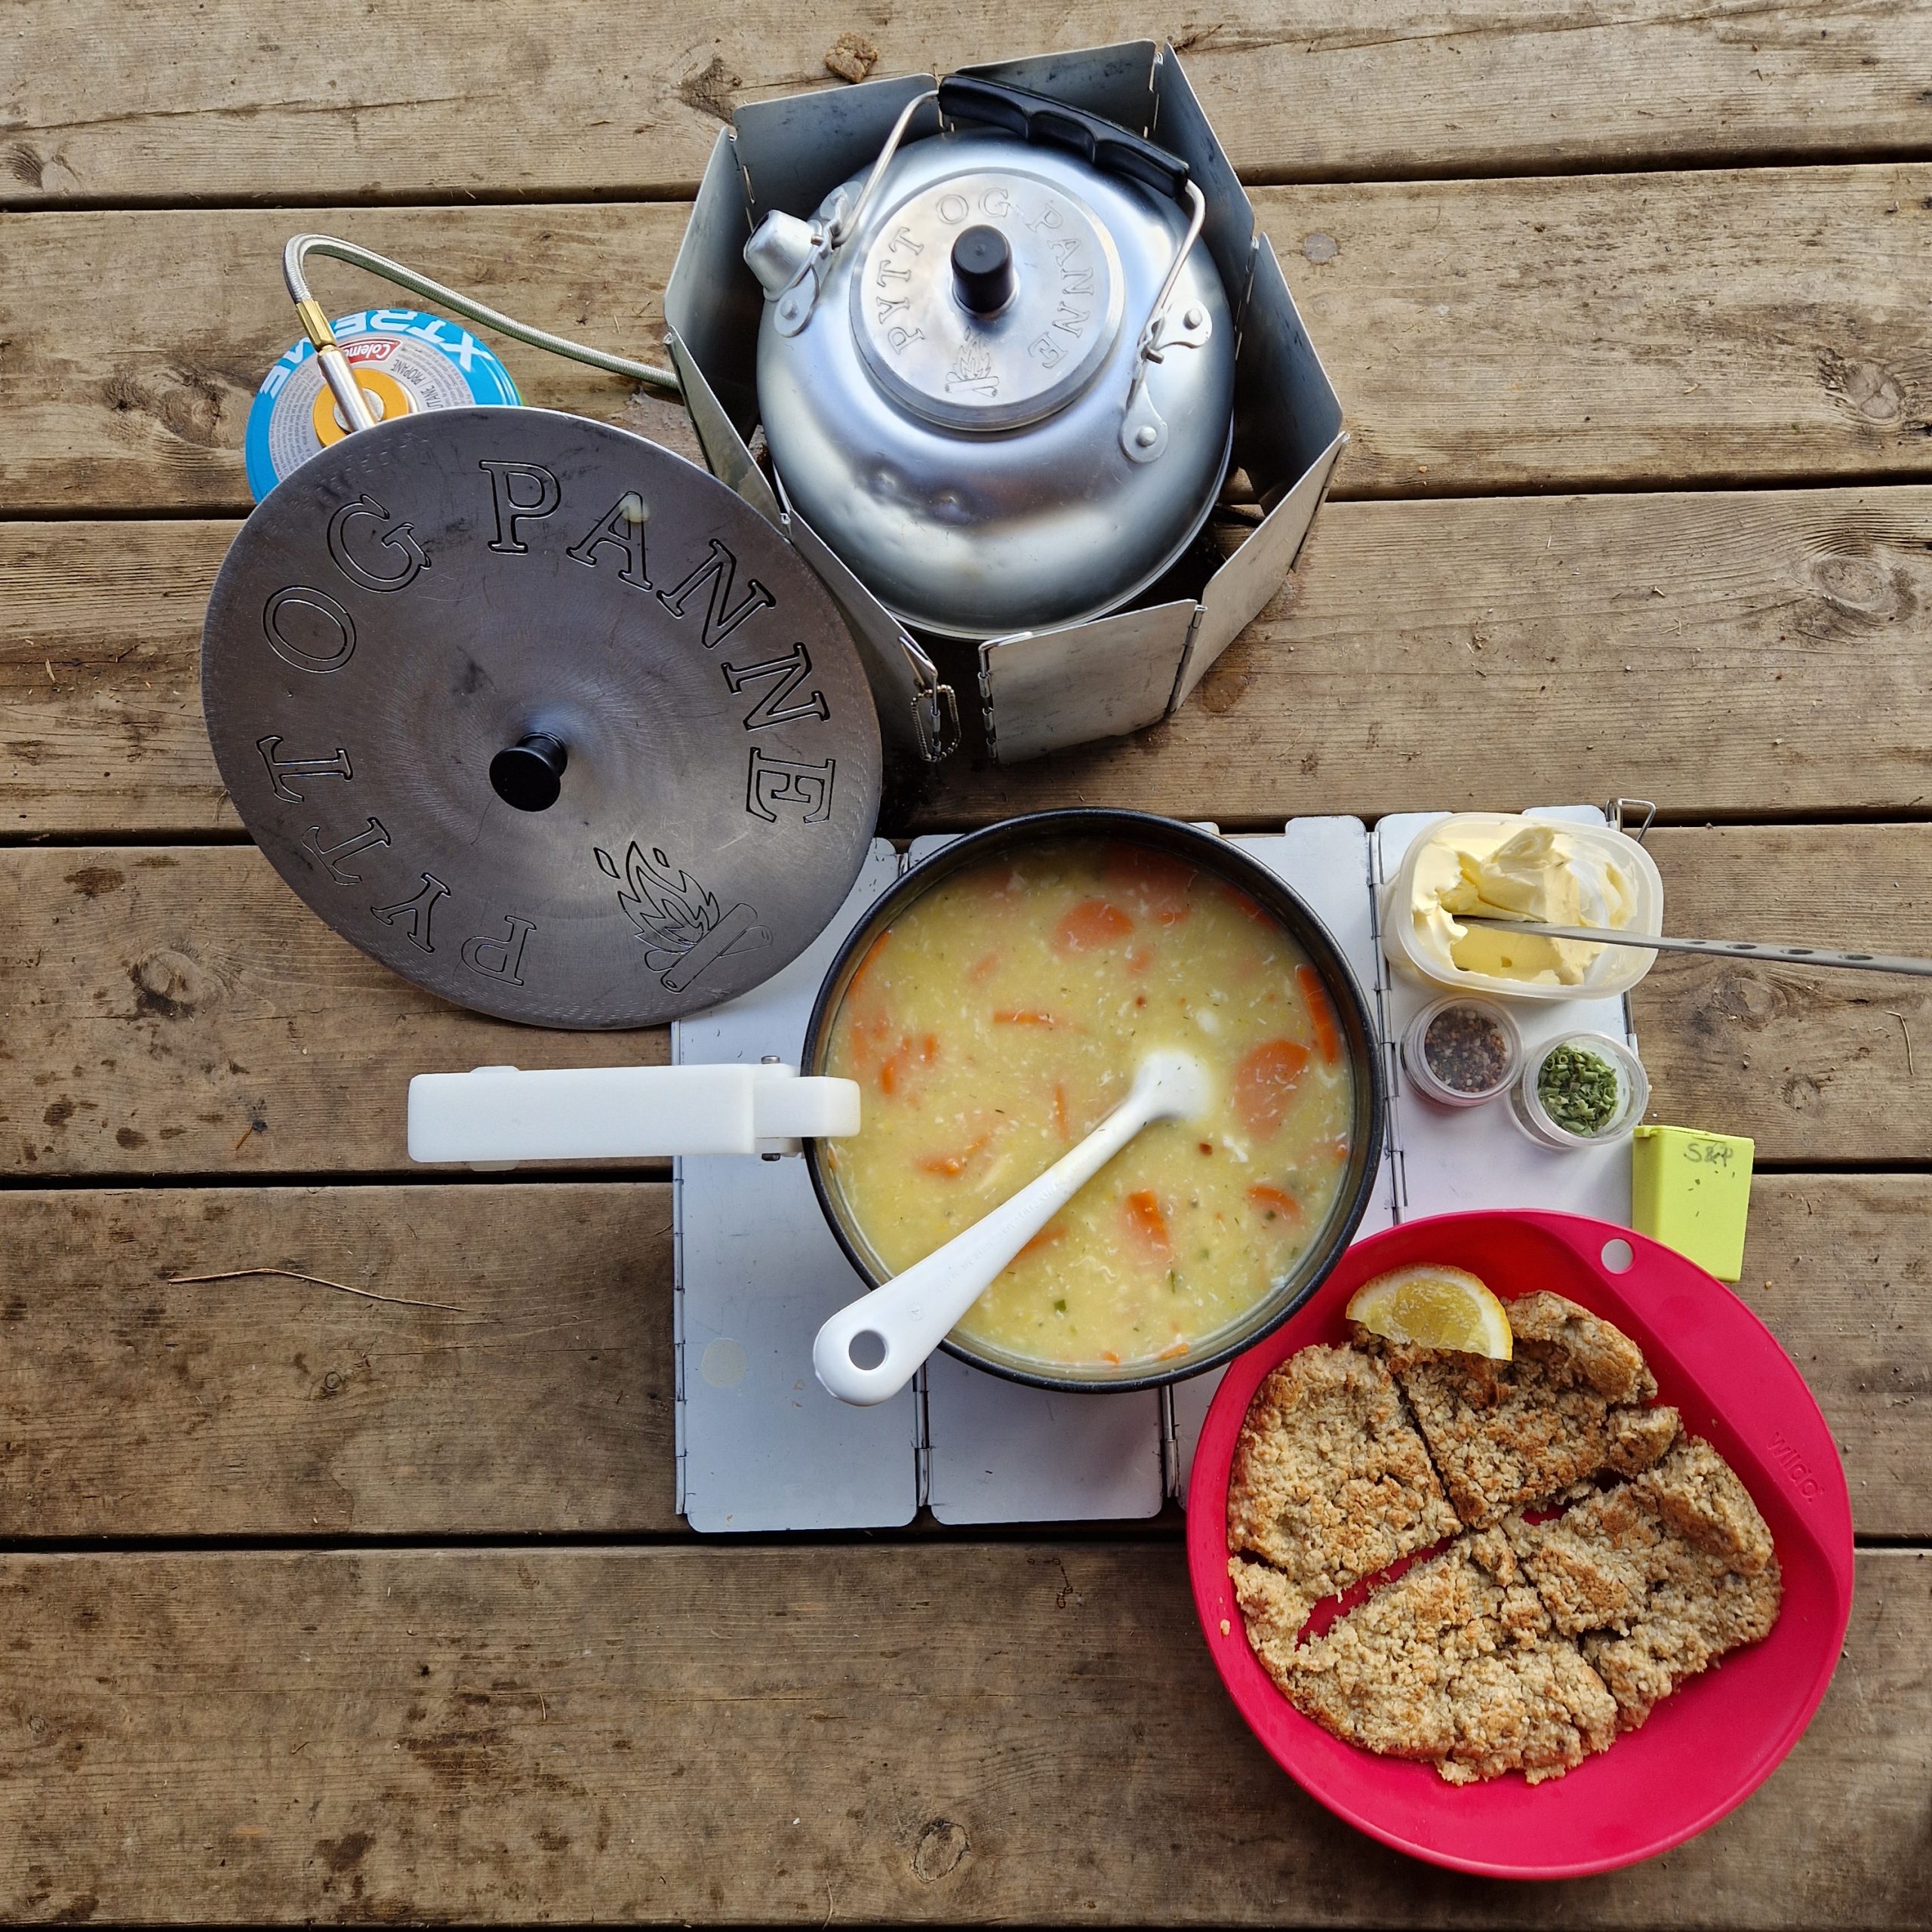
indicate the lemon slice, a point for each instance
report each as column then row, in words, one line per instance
column 1436, row 1306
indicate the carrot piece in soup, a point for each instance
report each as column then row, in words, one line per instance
column 1148, row 1224
column 856, row 984
column 1157, row 881
column 1265, row 1085
column 1044, row 1238
column 1249, row 906
column 904, row 1061
column 982, row 969
column 1322, row 1015
column 1139, row 958
column 1172, row 1349
column 1092, row 923
column 950, row 1166
column 1275, row 1202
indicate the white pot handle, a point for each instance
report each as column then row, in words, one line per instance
column 495, row 1116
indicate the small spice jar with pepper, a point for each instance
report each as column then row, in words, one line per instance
column 1461, row 1051
column 1580, row 1090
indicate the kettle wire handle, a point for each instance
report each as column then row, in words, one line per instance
column 1105, row 144
column 1113, row 149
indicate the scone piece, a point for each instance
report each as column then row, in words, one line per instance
column 1572, row 1404
column 1600, row 1353
column 1380, row 1676
column 1540, row 1709
column 1272, row 1611
column 1330, row 1482
column 1454, row 1662
column 1662, row 1575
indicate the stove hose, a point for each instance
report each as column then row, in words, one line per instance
column 335, row 366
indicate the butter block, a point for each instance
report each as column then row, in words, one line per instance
column 1692, row 1191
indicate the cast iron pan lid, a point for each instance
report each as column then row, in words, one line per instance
column 541, row 716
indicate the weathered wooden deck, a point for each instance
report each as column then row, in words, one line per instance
column 316, row 1606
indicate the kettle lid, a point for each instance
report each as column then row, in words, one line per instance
column 989, row 298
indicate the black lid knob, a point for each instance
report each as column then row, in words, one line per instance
column 983, row 270
column 529, row 774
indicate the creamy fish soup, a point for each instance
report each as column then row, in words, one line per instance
column 1002, row 1016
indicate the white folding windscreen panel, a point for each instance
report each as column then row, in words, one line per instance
column 761, row 1446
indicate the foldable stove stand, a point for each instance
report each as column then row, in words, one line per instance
column 761, row 1446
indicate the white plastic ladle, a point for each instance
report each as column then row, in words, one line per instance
column 906, row 1319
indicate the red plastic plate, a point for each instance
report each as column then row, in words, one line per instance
column 1705, row 1749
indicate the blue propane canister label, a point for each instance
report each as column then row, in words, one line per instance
column 405, row 362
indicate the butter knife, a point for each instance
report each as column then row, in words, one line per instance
column 1724, row 948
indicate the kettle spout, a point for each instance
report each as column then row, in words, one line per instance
column 779, row 252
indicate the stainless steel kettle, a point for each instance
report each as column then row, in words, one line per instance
column 996, row 373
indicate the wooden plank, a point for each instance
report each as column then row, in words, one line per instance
column 1815, row 1066
column 179, row 1011
column 1571, row 333
column 901, row 1732
column 1481, row 653
column 1549, row 334
column 146, row 406
column 1801, row 617
column 110, row 737
column 216, row 108
column 1836, row 1267
column 536, row 1397
column 269, row 1407
column 182, row 1012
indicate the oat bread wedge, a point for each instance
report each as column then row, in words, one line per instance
column 1573, row 1403
column 1662, row 1575
column 1531, row 1705
column 1272, row 1611
column 1554, row 1330
column 1454, row 1663
column 1540, row 1709
column 1330, row 1481
column 1380, row 1676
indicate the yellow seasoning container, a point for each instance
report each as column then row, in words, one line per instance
column 1691, row 1191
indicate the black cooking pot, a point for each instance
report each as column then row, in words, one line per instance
column 1207, row 852
column 498, row 1115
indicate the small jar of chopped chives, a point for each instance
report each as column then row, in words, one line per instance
column 1580, row 1090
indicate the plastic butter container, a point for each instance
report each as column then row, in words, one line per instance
column 1691, row 1191
column 1615, row 968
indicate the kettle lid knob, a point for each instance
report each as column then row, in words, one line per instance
column 982, row 269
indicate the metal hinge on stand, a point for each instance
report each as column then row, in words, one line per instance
column 922, row 1441
column 1398, row 1179
column 936, row 720
column 678, row 1451
column 1616, row 814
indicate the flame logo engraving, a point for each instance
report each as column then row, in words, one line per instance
column 678, row 922
column 973, row 367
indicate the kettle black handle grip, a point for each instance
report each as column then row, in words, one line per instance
column 1034, row 117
